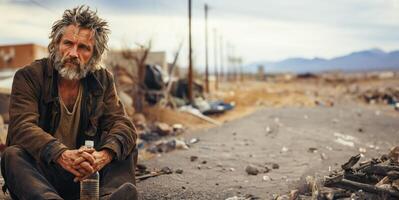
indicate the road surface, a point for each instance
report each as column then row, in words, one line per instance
column 301, row 141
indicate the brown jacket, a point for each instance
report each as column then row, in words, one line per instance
column 35, row 113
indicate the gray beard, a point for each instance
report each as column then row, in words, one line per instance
column 68, row 72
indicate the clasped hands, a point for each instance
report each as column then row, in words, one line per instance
column 84, row 161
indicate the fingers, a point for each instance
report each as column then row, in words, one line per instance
column 88, row 157
column 87, row 167
column 86, row 149
column 73, row 171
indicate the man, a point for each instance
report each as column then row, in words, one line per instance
column 59, row 102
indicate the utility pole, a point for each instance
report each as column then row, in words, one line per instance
column 222, row 71
column 215, row 47
column 206, row 50
column 190, row 65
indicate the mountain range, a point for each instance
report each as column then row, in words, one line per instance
column 367, row 60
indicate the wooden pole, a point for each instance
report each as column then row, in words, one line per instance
column 190, row 65
column 206, row 50
column 215, row 46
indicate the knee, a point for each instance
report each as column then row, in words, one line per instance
column 12, row 153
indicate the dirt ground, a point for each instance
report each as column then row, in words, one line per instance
column 228, row 149
column 306, row 127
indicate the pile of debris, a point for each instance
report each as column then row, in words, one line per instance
column 377, row 178
column 389, row 95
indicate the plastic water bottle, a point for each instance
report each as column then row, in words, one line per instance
column 90, row 187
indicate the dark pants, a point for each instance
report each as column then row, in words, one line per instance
column 26, row 178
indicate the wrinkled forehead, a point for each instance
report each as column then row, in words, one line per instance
column 79, row 34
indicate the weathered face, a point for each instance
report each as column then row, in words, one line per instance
column 74, row 52
column 77, row 43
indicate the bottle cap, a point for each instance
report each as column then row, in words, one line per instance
column 89, row 143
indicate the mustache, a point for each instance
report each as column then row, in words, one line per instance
column 72, row 60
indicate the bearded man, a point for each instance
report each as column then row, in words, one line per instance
column 59, row 102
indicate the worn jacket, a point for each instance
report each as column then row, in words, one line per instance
column 35, row 113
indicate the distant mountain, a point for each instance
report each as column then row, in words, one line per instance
column 368, row 60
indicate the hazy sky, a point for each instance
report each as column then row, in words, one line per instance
column 255, row 29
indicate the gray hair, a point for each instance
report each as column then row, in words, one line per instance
column 83, row 17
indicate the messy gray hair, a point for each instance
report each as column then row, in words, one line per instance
column 83, row 17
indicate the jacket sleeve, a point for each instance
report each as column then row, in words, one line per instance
column 120, row 135
column 24, row 117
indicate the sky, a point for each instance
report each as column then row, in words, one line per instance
column 255, row 30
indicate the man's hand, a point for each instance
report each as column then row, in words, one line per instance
column 102, row 158
column 97, row 160
column 68, row 159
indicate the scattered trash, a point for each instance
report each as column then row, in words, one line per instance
column 346, row 140
column 167, row 146
column 284, row 149
column 362, row 150
column 266, row 178
column 376, row 178
column 244, row 197
column 193, row 140
column 163, row 129
column 179, row 171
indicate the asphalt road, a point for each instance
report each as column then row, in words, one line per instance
column 301, row 141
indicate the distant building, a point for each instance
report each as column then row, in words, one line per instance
column 19, row 55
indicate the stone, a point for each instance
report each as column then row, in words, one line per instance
column 179, row 171
column 275, row 166
column 163, row 129
column 193, row 158
column 252, row 170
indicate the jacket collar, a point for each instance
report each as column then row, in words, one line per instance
column 91, row 83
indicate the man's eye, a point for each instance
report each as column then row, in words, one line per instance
column 68, row 43
column 84, row 47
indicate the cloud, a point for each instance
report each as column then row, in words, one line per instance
column 258, row 29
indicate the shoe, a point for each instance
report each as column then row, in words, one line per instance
column 127, row 191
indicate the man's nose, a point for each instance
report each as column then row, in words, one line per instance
column 73, row 52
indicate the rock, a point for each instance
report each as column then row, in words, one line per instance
column 252, row 170
column 163, row 129
column 266, row 178
column 166, row 170
column 323, row 156
column 312, row 150
column 179, row 171
column 275, row 166
column 203, row 162
column 266, row 169
column 177, row 129
column 284, row 149
column 193, row 158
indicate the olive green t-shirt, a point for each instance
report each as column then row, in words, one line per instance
column 68, row 127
